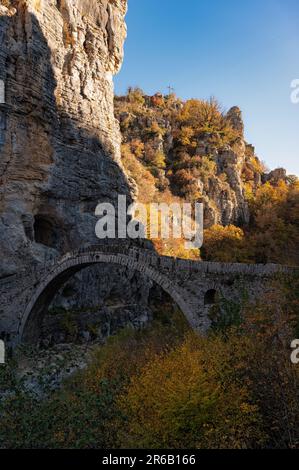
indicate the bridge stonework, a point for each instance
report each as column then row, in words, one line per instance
column 25, row 297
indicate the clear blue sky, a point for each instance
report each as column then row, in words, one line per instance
column 245, row 53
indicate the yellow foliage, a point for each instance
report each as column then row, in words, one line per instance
column 274, row 235
column 185, row 135
column 143, row 177
column 205, row 117
column 156, row 129
column 248, row 189
column 136, row 99
column 167, row 387
column 159, row 160
column 257, row 165
column 224, row 244
column 6, row 3
column 137, row 147
column 269, row 196
column 148, row 194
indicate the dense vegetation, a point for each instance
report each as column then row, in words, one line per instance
column 272, row 235
column 170, row 149
column 165, row 387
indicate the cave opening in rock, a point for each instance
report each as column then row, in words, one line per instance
column 210, row 297
column 45, row 232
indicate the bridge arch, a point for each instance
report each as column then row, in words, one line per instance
column 71, row 264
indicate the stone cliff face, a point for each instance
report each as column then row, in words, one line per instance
column 220, row 179
column 59, row 140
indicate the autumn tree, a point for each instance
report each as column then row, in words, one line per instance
column 224, row 244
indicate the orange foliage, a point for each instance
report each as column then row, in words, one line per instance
column 224, row 244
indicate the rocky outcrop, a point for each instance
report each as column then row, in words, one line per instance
column 60, row 143
column 234, row 115
column 275, row 176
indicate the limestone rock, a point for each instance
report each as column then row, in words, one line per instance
column 223, row 192
column 275, row 176
column 59, row 140
column 234, row 115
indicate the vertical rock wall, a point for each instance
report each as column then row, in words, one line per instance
column 59, row 140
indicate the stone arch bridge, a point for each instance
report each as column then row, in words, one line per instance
column 25, row 297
